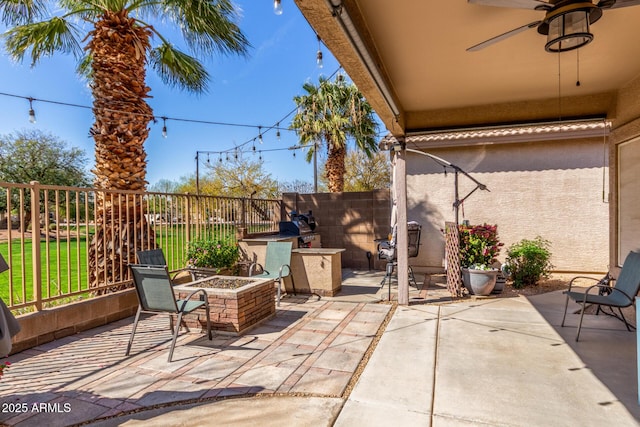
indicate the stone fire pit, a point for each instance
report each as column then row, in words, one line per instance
column 236, row 304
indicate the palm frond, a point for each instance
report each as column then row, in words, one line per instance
column 17, row 12
column 176, row 68
column 43, row 39
column 208, row 26
column 84, row 67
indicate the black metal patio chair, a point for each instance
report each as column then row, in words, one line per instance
column 387, row 251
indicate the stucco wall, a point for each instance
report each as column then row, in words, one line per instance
column 553, row 189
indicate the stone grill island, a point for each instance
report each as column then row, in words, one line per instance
column 237, row 304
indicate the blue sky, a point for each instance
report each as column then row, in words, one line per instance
column 256, row 90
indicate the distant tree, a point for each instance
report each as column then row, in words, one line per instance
column 365, row 173
column 236, row 177
column 164, row 186
column 33, row 155
column 296, row 186
column 330, row 114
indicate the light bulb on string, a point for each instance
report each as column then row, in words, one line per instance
column 227, row 156
column 32, row 114
column 260, row 135
column 278, row 131
column 164, row 127
column 277, row 7
column 208, row 160
column 235, row 155
column 260, row 158
column 253, row 147
column 220, row 158
column 319, row 55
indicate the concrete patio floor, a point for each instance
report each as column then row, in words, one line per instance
column 491, row 361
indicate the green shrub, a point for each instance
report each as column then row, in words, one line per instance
column 528, row 261
column 212, row 253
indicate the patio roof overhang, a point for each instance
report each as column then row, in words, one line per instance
column 410, row 59
column 503, row 134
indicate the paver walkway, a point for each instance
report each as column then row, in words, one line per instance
column 311, row 347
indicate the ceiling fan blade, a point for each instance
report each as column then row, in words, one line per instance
column 514, row 4
column 501, row 37
column 615, row 4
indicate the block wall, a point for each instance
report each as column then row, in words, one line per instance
column 350, row 221
column 54, row 323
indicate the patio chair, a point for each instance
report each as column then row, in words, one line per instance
column 277, row 265
column 387, row 251
column 156, row 295
column 621, row 294
column 156, row 257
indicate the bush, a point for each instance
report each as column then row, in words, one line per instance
column 528, row 261
column 212, row 253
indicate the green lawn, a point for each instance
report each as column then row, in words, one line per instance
column 66, row 270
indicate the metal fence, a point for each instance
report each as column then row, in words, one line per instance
column 46, row 235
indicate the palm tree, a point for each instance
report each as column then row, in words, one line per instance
column 118, row 50
column 328, row 115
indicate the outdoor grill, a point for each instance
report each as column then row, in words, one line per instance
column 301, row 225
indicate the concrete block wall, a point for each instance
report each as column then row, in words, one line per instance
column 53, row 323
column 348, row 220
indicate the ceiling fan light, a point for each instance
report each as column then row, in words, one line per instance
column 568, row 31
column 567, row 26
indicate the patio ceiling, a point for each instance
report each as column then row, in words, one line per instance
column 418, row 50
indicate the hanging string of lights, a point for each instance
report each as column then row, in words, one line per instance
column 262, row 130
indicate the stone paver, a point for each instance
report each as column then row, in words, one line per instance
column 311, row 346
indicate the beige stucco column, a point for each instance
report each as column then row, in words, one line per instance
column 400, row 195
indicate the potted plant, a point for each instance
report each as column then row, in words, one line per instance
column 213, row 256
column 479, row 247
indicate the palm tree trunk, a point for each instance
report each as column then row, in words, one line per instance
column 118, row 49
column 335, row 168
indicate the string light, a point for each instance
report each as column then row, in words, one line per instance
column 319, row 54
column 164, row 127
column 277, row 7
column 32, row 118
column 32, row 114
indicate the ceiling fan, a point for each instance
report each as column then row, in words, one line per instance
column 565, row 23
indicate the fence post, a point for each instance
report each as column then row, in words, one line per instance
column 243, row 213
column 35, row 243
column 187, row 220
